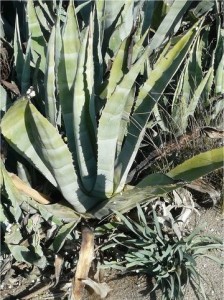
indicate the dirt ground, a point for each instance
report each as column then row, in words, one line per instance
column 138, row 287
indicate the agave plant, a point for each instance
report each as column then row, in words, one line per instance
column 97, row 75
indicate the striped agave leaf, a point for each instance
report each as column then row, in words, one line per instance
column 40, row 143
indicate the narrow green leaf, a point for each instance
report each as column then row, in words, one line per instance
column 197, row 95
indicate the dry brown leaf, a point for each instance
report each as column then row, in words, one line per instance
column 11, row 86
column 213, row 133
column 58, row 262
column 101, row 289
column 29, row 191
column 204, row 187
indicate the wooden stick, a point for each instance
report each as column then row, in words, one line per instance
column 86, row 255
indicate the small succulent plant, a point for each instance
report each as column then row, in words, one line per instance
column 147, row 246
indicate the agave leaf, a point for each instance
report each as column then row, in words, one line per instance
column 99, row 19
column 197, row 95
column 50, row 100
column 45, row 17
column 110, row 13
column 125, row 201
column 123, row 29
column 217, row 109
column 124, row 124
column 148, row 96
column 12, row 192
column 25, row 78
column 71, row 45
column 219, row 76
column 193, row 86
column 23, row 254
column 198, row 165
column 179, row 103
column 117, row 69
column 5, row 102
column 14, row 122
column 169, row 22
column 147, row 9
column 91, row 63
column 24, row 188
column 138, row 46
column 67, row 70
column 84, row 149
column 157, row 179
column 38, row 44
column 18, row 53
column 41, row 144
column 195, row 68
column 108, row 24
column 95, row 61
column 202, row 8
column 23, row 173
